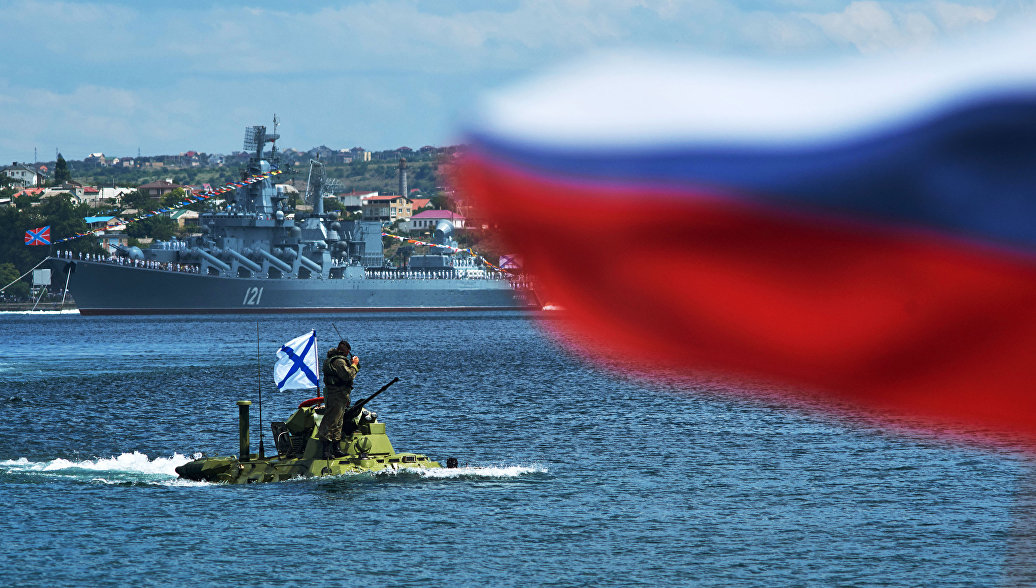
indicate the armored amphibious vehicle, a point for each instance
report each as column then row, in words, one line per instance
column 300, row 454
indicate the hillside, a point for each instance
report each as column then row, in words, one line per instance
column 380, row 176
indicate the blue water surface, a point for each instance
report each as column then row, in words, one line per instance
column 571, row 476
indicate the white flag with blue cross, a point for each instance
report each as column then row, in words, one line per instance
column 296, row 366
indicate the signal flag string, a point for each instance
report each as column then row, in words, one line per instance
column 228, row 187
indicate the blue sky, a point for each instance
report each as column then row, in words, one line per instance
column 167, row 77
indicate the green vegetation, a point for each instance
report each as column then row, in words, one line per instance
column 383, row 176
column 133, row 177
column 379, row 176
column 157, row 227
column 61, row 173
column 64, row 218
column 9, row 273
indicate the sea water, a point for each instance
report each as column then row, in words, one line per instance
column 570, row 475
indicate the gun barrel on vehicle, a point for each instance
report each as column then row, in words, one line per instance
column 355, row 409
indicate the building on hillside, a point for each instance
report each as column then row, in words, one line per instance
column 184, row 218
column 323, row 153
column 112, row 194
column 111, row 231
column 419, row 204
column 427, row 219
column 105, row 223
column 157, row 189
column 386, row 208
column 72, row 187
column 95, row 160
column 91, row 195
column 353, row 201
column 22, row 176
column 29, row 192
column 96, row 196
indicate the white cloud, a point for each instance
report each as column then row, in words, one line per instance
column 872, row 26
column 112, row 75
column 954, row 17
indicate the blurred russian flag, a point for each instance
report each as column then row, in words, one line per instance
column 864, row 229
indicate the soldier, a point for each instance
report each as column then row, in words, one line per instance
column 340, row 368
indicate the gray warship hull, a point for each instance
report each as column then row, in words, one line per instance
column 101, row 288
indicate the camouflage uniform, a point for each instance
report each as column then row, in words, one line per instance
column 338, row 383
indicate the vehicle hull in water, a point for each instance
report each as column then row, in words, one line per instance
column 300, row 454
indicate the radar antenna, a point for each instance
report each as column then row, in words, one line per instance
column 331, row 187
column 255, row 137
column 319, row 186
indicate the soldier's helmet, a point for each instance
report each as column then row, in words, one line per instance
column 344, row 346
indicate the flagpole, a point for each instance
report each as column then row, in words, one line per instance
column 64, row 292
column 259, row 382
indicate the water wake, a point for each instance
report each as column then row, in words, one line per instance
column 125, row 468
column 41, row 312
column 472, row 472
column 137, row 468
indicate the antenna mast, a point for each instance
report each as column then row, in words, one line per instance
column 259, row 378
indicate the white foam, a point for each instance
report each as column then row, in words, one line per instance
column 137, row 467
column 126, row 463
column 41, row 312
column 470, row 472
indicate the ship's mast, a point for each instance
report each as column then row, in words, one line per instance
column 260, row 195
column 273, row 140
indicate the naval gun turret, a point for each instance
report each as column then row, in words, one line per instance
column 300, row 453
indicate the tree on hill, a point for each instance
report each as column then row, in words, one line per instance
column 442, row 202
column 159, row 227
column 9, row 273
column 61, row 174
column 59, row 212
column 26, row 202
column 173, row 197
column 6, row 190
column 136, row 199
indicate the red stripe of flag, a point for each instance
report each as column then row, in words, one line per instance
column 885, row 321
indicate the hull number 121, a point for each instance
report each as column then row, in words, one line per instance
column 252, row 296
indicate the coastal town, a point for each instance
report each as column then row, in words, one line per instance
column 133, row 202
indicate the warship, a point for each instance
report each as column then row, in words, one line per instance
column 257, row 255
column 300, row 453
